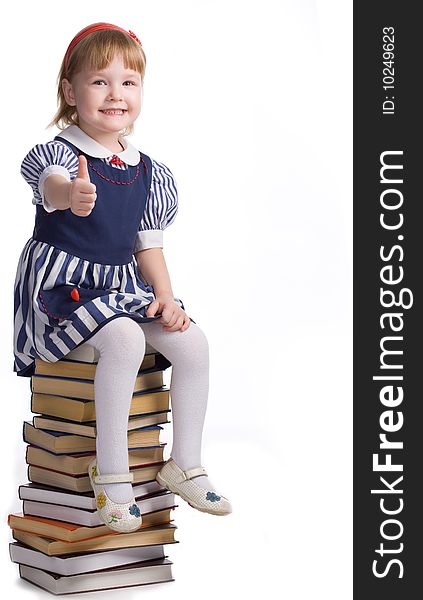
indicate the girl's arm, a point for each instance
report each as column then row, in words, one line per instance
column 152, row 265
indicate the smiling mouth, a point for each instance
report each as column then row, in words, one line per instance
column 114, row 112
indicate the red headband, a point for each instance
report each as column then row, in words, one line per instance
column 96, row 27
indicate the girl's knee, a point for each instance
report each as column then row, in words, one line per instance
column 200, row 340
column 187, row 346
column 193, row 345
column 123, row 337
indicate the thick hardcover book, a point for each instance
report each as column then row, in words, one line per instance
column 39, row 492
column 81, row 483
column 89, row 429
column 161, row 534
column 81, row 410
column 61, row 442
column 158, row 571
column 77, row 463
column 82, row 369
column 90, row 517
column 83, row 562
column 83, row 388
column 70, row 532
column 85, row 369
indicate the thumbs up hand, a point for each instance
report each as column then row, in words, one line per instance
column 82, row 194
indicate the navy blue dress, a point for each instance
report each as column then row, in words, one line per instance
column 77, row 273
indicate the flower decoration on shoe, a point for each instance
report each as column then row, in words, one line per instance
column 94, row 471
column 115, row 516
column 134, row 510
column 212, row 497
column 101, row 500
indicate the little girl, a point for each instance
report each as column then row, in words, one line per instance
column 101, row 207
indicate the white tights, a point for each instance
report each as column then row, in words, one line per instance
column 121, row 345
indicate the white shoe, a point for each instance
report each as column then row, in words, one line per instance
column 119, row 516
column 181, row 482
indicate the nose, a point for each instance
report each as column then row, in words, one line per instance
column 115, row 93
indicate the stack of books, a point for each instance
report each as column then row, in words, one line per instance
column 60, row 542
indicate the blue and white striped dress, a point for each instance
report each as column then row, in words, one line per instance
column 77, row 273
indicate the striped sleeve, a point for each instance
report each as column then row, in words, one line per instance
column 47, row 159
column 160, row 210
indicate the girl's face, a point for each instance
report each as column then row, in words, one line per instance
column 106, row 101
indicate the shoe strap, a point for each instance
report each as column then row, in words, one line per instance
column 190, row 473
column 124, row 478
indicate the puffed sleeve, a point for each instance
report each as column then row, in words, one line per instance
column 47, row 159
column 160, row 210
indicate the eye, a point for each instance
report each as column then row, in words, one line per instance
column 98, row 81
column 130, row 82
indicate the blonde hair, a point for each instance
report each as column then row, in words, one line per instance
column 95, row 52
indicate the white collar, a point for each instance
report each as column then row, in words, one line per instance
column 84, row 142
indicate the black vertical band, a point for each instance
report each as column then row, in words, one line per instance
column 388, row 352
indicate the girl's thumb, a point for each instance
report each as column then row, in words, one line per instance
column 151, row 311
column 83, row 168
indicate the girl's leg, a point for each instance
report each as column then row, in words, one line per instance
column 121, row 345
column 188, row 352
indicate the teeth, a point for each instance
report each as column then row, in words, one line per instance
column 113, row 112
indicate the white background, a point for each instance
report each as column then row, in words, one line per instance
column 250, row 105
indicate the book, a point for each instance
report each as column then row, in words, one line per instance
column 82, row 410
column 158, row 571
column 61, row 442
column 83, row 562
column 83, row 388
column 71, row 532
column 39, row 492
column 81, row 483
column 77, row 464
column 59, row 520
column 81, row 369
column 160, row 534
column 90, row 517
column 89, row 428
